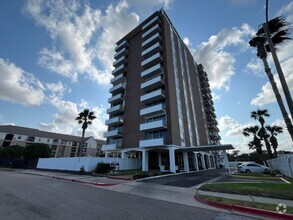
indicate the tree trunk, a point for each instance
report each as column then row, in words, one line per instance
column 278, row 97
column 268, row 146
column 81, row 144
column 277, row 63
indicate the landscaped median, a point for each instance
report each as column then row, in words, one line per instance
column 245, row 196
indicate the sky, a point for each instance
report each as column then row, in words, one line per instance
column 56, row 59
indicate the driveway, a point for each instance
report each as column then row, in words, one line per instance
column 189, row 179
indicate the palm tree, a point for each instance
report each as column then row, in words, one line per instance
column 259, row 42
column 256, row 142
column 278, row 36
column 262, row 133
column 274, row 130
column 85, row 118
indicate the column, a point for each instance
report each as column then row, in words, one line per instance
column 123, row 155
column 145, row 160
column 226, row 163
column 185, row 161
column 160, row 160
column 195, row 162
column 106, row 155
column 203, row 161
column 172, row 159
column 210, row 164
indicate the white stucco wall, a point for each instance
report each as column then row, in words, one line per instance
column 89, row 163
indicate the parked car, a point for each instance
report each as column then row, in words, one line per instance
column 253, row 168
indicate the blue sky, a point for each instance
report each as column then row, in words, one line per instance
column 56, row 59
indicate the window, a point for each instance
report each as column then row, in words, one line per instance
column 19, row 137
column 31, row 139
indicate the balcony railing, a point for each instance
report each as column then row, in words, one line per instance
column 153, row 83
column 118, row 88
column 121, row 60
column 118, row 79
column 153, row 96
column 123, row 43
column 107, row 147
column 152, row 50
column 114, row 121
column 116, row 98
column 154, row 70
column 155, row 28
column 153, row 126
column 114, row 133
column 156, row 58
column 153, row 39
column 120, row 53
column 158, row 142
column 156, row 109
column 119, row 69
column 150, row 22
column 115, row 109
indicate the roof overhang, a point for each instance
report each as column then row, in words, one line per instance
column 206, row 148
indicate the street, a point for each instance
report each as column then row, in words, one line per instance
column 26, row 196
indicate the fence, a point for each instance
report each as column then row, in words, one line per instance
column 284, row 164
column 88, row 163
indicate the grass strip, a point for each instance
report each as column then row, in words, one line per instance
column 270, row 207
column 257, row 177
column 271, row 190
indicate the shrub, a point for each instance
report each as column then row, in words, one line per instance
column 140, row 175
column 102, row 168
column 81, row 170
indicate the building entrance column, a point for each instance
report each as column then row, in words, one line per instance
column 210, row 164
column 145, row 160
column 203, row 161
column 185, row 161
column 172, row 159
column 226, row 163
column 195, row 162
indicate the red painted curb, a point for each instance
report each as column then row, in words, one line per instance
column 248, row 210
column 120, row 178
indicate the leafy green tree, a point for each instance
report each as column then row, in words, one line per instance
column 279, row 29
column 256, row 142
column 262, row 133
column 36, row 150
column 274, row 130
column 15, row 152
column 85, row 118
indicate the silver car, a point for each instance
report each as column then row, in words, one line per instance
column 253, row 168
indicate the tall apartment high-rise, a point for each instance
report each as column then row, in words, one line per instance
column 161, row 107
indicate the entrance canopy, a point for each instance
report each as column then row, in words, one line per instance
column 206, row 148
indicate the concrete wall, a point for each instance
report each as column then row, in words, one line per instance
column 89, row 163
column 283, row 163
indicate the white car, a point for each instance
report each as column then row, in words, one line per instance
column 253, row 168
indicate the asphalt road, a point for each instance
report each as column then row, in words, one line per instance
column 26, row 196
column 188, row 179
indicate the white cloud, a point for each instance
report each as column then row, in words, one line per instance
column 18, row 86
column 218, row 63
column 256, row 67
column 231, row 126
column 81, row 36
column 57, row 88
column 186, row 41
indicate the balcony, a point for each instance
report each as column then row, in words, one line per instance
column 107, row 147
column 120, row 53
column 153, row 126
column 119, row 69
column 121, row 60
column 114, row 121
column 152, row 30
column 153, row 96
column 118, row 79
column 118, row 88
column 154, row 70
column 153, row 83
column 156, row 109
column 153, row 39
column 115, row 109
column 122, row 44
column 151, row 22
column 152, row 50
column 116, row 98
column 152, row 142
column 156, row 58
column 114, row 133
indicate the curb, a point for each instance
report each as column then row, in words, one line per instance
column 73, row 180
column 120, row 178
column 247, row 210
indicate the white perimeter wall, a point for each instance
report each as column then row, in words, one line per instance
column 89, row 163
column 283, row 163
